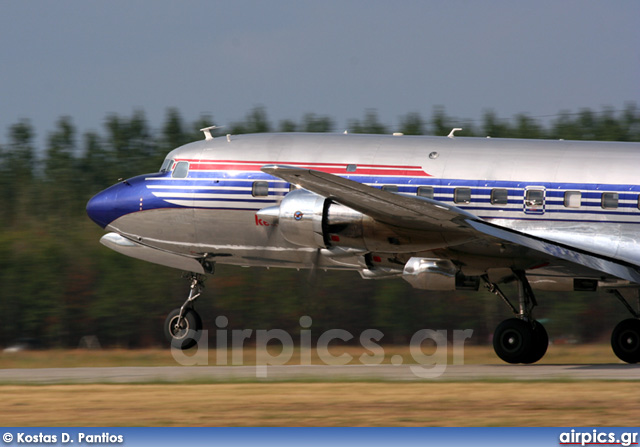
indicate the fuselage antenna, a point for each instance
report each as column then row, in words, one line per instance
column 207, row 131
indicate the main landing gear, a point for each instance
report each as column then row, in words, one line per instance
column 183, row 326
column 521, row 339
column 625, row 339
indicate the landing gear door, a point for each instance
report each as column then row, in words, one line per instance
column 534, row 200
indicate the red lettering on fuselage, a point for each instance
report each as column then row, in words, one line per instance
column 261, row 223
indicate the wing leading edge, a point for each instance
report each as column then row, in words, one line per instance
column 419, row 213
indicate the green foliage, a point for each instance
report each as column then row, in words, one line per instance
column 313, row 123
column 310, row 123
column 412, row 124
column 59, row 284
column 370, row 124
column 17, row 167
column 256, row 121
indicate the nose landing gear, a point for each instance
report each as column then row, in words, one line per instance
column 183, row 326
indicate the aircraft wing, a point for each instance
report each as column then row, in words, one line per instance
column 419, row 213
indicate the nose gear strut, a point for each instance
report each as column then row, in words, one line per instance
column 183, row 326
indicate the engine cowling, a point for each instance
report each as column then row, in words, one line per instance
column 300, row 218
column 310, row 220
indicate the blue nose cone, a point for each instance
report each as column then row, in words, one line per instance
column 114, row 202
column 120, row 199
column 101, row 207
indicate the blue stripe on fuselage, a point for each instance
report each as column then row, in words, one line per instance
column 124, row 198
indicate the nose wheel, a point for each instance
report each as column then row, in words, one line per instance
column 183, row 326
column 183, row 331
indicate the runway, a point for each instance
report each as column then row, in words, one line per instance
column 320, row 373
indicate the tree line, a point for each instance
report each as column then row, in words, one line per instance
column 58, row 284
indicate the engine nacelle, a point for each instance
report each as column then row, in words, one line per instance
column 310, row 220
column 300, row 218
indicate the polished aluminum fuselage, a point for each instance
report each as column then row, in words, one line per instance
column 211, row 213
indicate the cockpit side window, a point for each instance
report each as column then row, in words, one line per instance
column 181, row 170
column 166, row 165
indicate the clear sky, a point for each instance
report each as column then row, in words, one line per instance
column 86, row 59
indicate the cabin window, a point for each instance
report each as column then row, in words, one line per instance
column 351, row 168
column 426, row 191
column 572, row 199
column 499, row 196
column 390, row 188
column 166, row 166
column 260, row 189
column 610, row 200
column 462, row 195
column 534, row 200
column 534, row 197
column 181, row 170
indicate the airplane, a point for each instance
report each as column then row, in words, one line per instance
column 443, row 213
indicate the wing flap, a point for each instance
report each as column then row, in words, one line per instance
column 614, row 267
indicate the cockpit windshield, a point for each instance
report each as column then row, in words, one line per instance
column 166, row 165
column 181, row 170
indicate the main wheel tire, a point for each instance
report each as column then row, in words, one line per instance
column 540, row 343
column 513, row 341
column 625, row 340
column 187, row 334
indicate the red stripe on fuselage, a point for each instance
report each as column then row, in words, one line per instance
column 330, row 168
